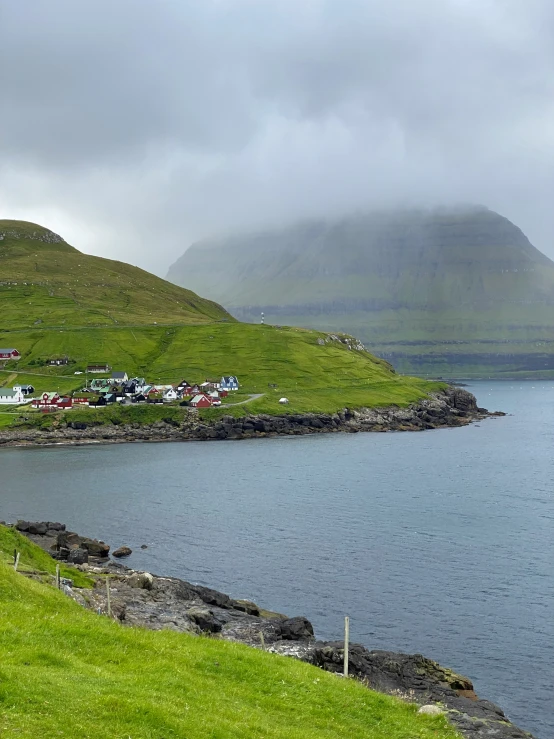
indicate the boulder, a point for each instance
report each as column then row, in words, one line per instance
column 141, row 580
column 39, row 527
column 77, row 556
column 204, row 619
column 22, row 525
column 96, row 548
column 296, row 629
column 122, row 552
column 431, row 710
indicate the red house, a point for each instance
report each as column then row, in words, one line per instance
column 6, row 354
column 201, row 401
column 65, row 402
column 47, row 400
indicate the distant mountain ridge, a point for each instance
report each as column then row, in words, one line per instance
column 45, row 281
column 446, row 291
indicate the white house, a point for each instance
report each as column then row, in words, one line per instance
column 171, row 394
column 11, row 397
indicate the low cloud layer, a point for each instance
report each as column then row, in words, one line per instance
column 134, row 128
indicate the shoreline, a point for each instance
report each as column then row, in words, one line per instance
column 450, row 408
column 156, row 602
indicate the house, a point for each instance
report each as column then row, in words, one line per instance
column 118, row 377
column 98, row 368
column 210, row 385
column 182, row 385
column 80, row 400
column 12, row 396
column 223, row 393
column 171, row 394
column 229, row 383
column 6, row 354
column 65, row 402
column 201, row 401
column 129, row 387
column 139, row 398
column 101, row 401
column 46, row 400
column 57, row 361
column 26, row 389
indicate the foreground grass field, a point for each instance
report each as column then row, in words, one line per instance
column 66, row 672
column 314, row 372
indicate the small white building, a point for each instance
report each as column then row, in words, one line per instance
column 11, row 396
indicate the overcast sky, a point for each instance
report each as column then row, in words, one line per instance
column 134, row 127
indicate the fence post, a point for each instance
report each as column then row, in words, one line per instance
column 58, row 581
column 262, row 640
column 346, row 640
column 108, row 595
column 16, row 563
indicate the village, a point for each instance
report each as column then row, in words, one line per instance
column 115, row 386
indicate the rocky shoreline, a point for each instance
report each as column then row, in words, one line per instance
column 452, row 407
column 155, row 602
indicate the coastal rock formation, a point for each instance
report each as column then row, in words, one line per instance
column 153, row 602
column 453, row 406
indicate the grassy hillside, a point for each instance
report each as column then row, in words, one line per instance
column 66, row 672
column 440, row 292
column 323, row 376
column 46, row 282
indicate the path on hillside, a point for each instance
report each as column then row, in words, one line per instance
column 255, row 396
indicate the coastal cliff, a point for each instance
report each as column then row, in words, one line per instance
column 451, row 407
column 154, row 602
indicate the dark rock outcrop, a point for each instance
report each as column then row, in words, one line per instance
column 122, row 552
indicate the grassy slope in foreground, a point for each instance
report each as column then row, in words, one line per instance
column 313, row 377
column 45, row 281
column 66, row 672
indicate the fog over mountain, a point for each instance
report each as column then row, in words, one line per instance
column 135, row 128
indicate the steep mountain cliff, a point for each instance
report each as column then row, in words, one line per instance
column 451, row 292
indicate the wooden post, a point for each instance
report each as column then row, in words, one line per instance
column 346, row 640
column 108, row 594
column 262, row 640
column 58, row 582
column 16, row 563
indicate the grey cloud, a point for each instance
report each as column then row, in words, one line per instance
column 137, row 124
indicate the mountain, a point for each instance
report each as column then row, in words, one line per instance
column 454, row 292
column 45, row 281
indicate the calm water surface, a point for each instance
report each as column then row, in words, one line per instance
column 438, row 542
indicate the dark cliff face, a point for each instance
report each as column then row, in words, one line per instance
column 390, row 278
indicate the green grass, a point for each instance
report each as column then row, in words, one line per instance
column 66, row 672
column 313, row 377
column 54, row 285
column 33, row 558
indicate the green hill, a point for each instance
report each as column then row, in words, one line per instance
column 448, row 292
column 66, row 672
column 46, row 282
column 57, row 301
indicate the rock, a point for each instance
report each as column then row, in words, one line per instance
column 296, row 629
column 96, row 548
column 22, row 525
column 204, row 619
column 122, row 552
column 39, row 527
column 143, row 580
column 78, row 556
column 431, row 710
column 144, row 546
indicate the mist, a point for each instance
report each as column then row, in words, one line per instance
column 136, row 128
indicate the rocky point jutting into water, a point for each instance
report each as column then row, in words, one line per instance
column 155, row 602
column 451, row 407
